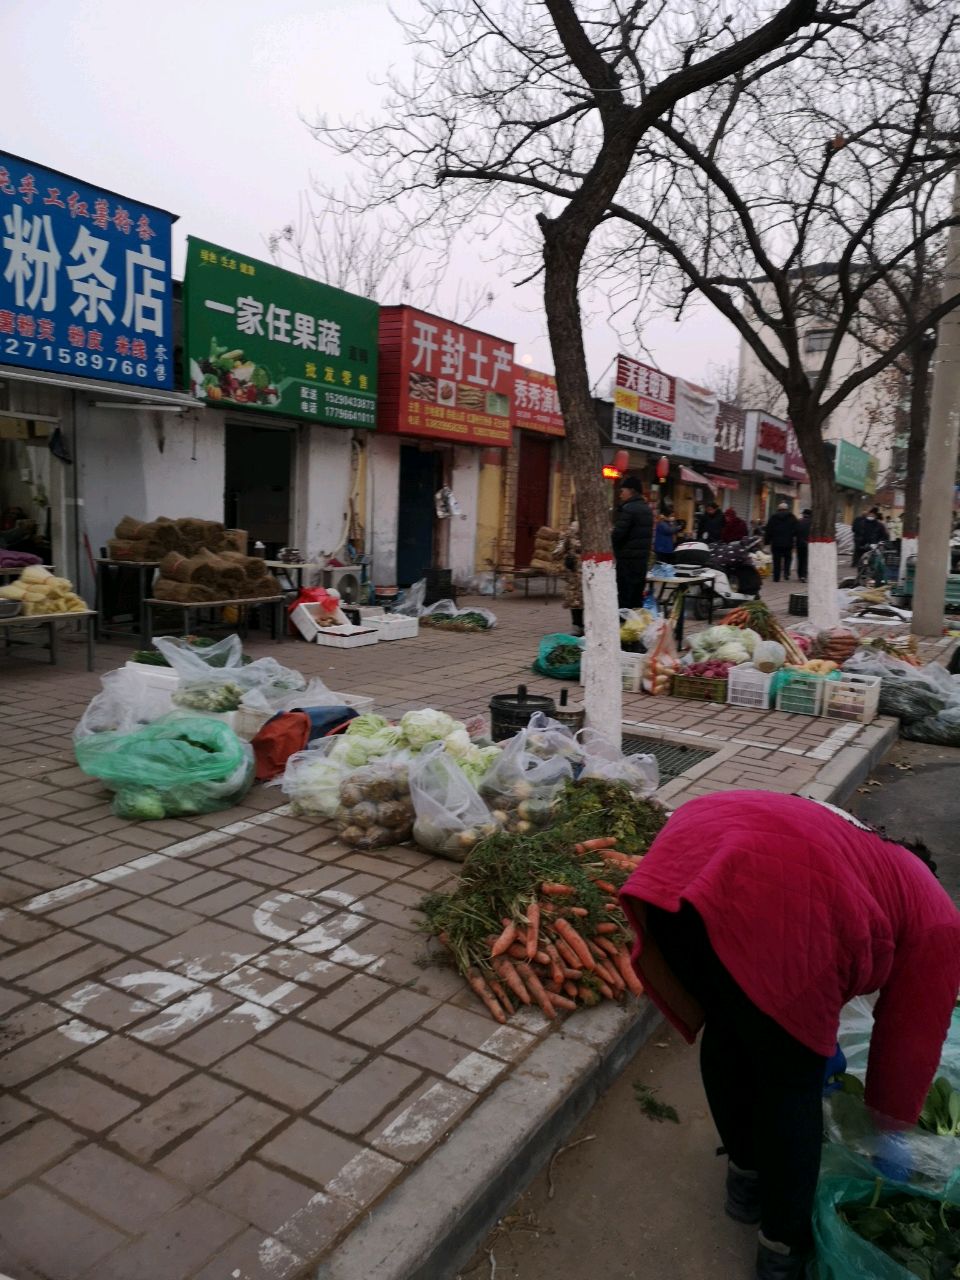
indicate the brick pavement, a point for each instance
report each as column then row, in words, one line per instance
column 224, row 1039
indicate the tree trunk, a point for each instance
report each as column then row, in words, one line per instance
column 920, row 357
column 822, row 608
column 603, row 684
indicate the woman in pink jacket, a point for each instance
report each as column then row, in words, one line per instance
column 758, row 916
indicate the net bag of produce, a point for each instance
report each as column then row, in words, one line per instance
column 450, row 815
column 602, row 758
column 178, row 765
column 375, row 809
column 870, row 1228
column 522, row 787
column 559, row 656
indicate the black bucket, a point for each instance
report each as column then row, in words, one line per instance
column 511, row 712
column 439, row 586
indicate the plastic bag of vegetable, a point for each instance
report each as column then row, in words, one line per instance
column 450, row 815
column 602, row 758
column 125, row 703
column 196, row 674
column 375, row 809
column 190, row 661
column 943, row 729
column 660, row 643
column 474, row 759
column 410, row 603
column 769, row 655
column 559, row 656
column 522, row 787
column 311, row 782
column 419, row 728
column 271, row 699
column 547, row 737
column 179, row 765
column 868, row 1228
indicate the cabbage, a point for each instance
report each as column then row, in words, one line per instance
column 312, row 781
column 418, row 728
column 732, row 651
column 458, row 744
column 708, row 644
column 362, row 726
column 478, row 763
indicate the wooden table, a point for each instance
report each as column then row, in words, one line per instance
column 16, row 572
column 145, row 570
column 292, row 571
column 276, row 604
column 670, row 588
column 50, row 620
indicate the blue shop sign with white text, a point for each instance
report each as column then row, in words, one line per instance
column 85, row 279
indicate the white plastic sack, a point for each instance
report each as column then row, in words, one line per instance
column 270, row 700
column 410, row 603
column 522, row 786
column 125, row 703
column 450, row 815
column 547, row 737
column 440, row 608
column 194, row 663
column 604, row 759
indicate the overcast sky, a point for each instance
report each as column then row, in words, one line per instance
column 198, row 108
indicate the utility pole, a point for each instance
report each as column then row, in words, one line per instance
column 940, row 471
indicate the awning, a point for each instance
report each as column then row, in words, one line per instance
column 140, row 397
column 694, row 477
column 723, row 482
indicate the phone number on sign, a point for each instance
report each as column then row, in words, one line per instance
column 78, row 359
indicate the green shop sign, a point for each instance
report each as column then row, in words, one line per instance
column 855, row 468
column 262, row 338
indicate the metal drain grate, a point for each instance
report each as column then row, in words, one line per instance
column 672, row 757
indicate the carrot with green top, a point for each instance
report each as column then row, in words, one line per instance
column 576, row 944
column 533, row 929
column 628, row 973
column 506, row 939
column 552, row 890
column 536, row 989
column 478, row 985
column 507, row 973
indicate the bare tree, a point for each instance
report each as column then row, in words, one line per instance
column 794, row 196
column 363, row 253
column 545, row 109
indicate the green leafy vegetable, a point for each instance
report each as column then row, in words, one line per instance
column 922, row 1234
column 651, row 1106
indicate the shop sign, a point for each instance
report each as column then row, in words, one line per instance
column 644, row 406
column 452, row 383
column 85, row 279
column 765, row 443
column 853, row 468
column 262, row 338
column 695, row 426
column 721, row 482
column 730, row 432
column 873, row 475
column 794, row 467
column 536, row 405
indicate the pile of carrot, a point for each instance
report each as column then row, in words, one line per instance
column 564, row 945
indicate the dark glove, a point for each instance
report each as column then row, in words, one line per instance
column 836, row 1066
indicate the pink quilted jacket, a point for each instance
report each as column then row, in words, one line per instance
column 807, row 910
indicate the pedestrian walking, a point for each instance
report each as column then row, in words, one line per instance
column 734, row 527
column 632, row 538
column 710, row 524
column 664, row 534
column 568, row 553
column 803, row 542
column 781, row 535
column 757, row 917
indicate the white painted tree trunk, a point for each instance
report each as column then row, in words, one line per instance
column 603, row 682
column 908, row 548
column 822, row 607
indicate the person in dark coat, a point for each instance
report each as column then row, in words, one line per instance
column 803, row 539
column 781, row 535
column 632, row 538
column 710, row 524
column 664, row 535
column 734, row 527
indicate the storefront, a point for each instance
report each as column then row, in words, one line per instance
column 533, row 486
column 765, row 450
column 855, row 471
column 731, row 486
column 445, row 401
column 291, row 365
column 86, row 361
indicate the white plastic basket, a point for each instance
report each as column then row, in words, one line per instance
column 801, row 694
column 748, row 687
column 852, row 697
column 631, row 669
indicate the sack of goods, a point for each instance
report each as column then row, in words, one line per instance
column 41, row 592
column 544, row 550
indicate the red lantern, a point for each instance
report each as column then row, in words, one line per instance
column 621, row 460
column 663, row 469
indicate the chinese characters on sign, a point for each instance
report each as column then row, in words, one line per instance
column 765, row 443
column 730, row 434
column 644, row 406
column 85, row 283
column 270, row 339
column 695, row 425
column 452, row 383
column 794, row 467
column 536, row 405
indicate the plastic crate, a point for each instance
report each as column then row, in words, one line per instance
column 631, row 670
column 801, row 694
column 395, row 626
column 852, row 697
column 699, row 688
column 347, row 637
column 748, row 687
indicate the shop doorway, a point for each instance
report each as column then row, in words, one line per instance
column 533, row 496
column 258, row 482
column 421, row 475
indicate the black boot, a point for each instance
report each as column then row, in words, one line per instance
column 743, row 1195
column 776, row 1262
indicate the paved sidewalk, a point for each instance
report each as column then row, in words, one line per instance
column 225, row 1040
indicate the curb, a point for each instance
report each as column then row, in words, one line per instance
column 837, row 781
column 434, row 1221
